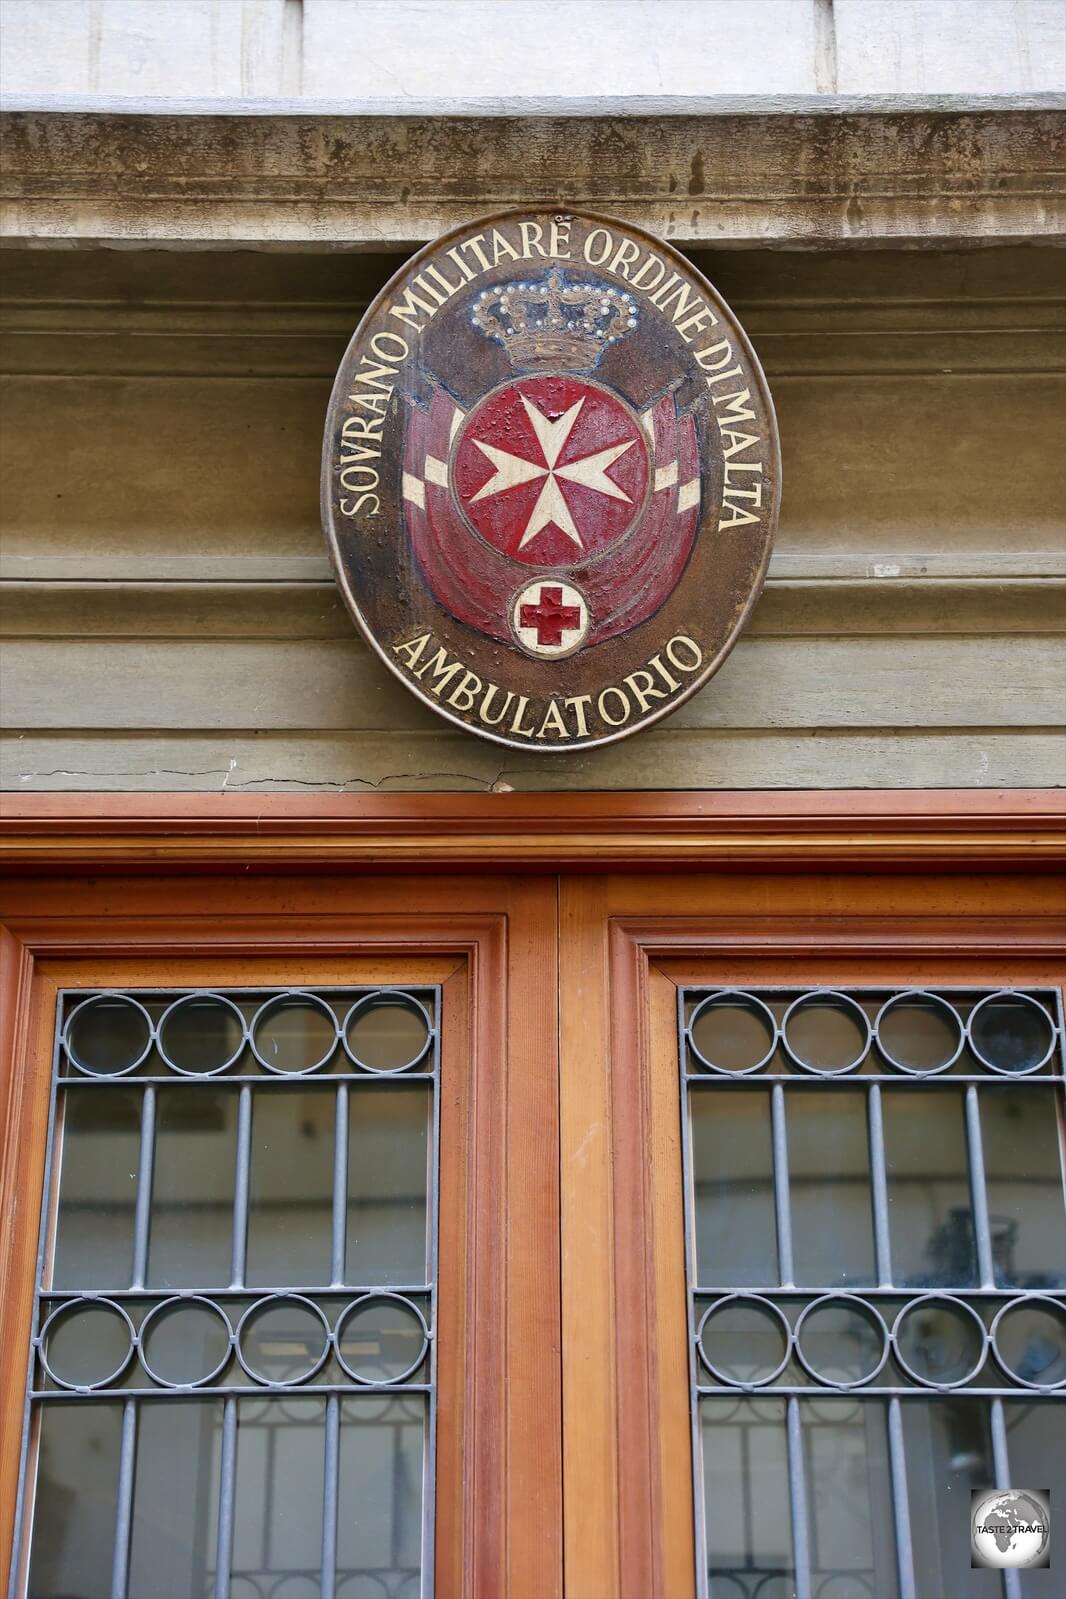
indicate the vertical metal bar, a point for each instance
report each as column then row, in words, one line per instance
column 1012, row 1582
column 227, row 1494
column 978, row 1192
column 879, row 1186
column 127, row 1467
column 330, row 1494
column 782, row 1195
column 143, row 1213
column 241, row 1182
column 340, row 1188
column 901, row 1510
column 797, row 1493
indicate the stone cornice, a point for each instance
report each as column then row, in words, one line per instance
column 785, row 171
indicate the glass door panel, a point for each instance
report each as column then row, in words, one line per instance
column 232, row 1386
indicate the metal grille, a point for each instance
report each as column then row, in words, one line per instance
column 818, row 1306
column 253, row 1349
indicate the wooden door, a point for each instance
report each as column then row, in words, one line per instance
column 628, row 947
column 487, row 949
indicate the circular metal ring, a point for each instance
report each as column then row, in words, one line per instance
column 199, row 996
column 108, row 996
column 265, row 1303
column 182, row 1301
column 956, row 1304
column 72, row 1307
column 749, row 1299
column 278, row 1002
column 862, row 1308
column 1026, row 1302
column 906, row 998
column 839, row 1001
column 375, row 1299
column 737, row 996
column 403, row 1001
column 1016, row 998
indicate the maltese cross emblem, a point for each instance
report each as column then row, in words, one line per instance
column 551, row 478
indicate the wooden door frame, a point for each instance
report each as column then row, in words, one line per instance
column 492, row 942
column 765, row 875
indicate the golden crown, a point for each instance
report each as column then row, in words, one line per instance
column 550, row 323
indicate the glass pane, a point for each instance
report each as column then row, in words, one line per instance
column 388, row 1148
column 732, row 1167
column 278, row 1505
column 948, row 1454
column 1036, row 1449
column 829, row 1171
column 192, row 1189
column 849, row 1490
column 175, row 1500
column 99, row 1145
column 745, row 1496
column 380, row 1533
column 1023, row 1171
column 929, row 1188
column 74, row 1518
column 290, row 1206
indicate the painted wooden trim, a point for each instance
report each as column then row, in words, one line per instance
column 909, row 829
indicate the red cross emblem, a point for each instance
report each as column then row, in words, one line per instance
column 549, row 618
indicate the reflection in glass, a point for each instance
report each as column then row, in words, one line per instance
column 388, row 1170
column 940, row 1342
column 386, row 1036
column 184, row 1343
column 732, row 1033
column 845, row 1448
column 948, row 1453
column 87, row 1344
column 1023, row 1173
column 101, row 1138
column 732, row 1166
column 919, row 1033
column 381, row 1340
column 829, row 1174
column 200, row 1033
column 826, row 1033
column 283, row 1340
column 191, row 1236
column 381, row 1470
column 294, row 1035
column 745, row 1494
column 841, row 1342
column 278, row 1505
column 744, row 1341
column 74, row 1517
column 291, row 1198
column 1011, row 1033
column 929, row 1188
column 1031, row 1340
column 108, row 1034
column 1036, row 1449
column 175, row 1499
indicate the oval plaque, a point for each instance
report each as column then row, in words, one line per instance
column 551, row 478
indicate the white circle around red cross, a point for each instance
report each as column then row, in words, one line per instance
column 551, row 470
column 549, row 618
